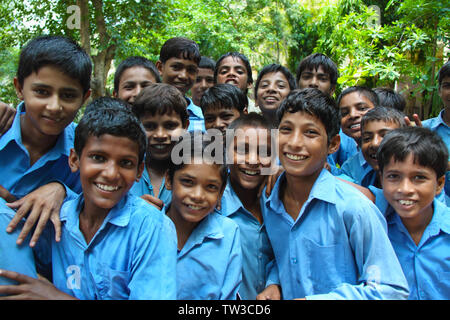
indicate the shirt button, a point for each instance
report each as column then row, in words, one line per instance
column 294, row 260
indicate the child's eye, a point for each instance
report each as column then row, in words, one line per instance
column 420, row 177
column 186, row 182
column 284, row 129
column 41, row 92
column 127, row 163
column 212, row 187
column 97, row 158
column 392, row 176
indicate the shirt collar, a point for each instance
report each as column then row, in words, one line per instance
column 230, row 202
column 193, row 109
column 14, row 133
column 119, row 215
column 318, row 191
column 439, row 120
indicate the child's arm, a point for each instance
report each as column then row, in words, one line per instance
column 380, row 275
column 7, row 115
column 6, row 195
column 154, row 201
column 273, row 289
column 29, row 288
column 42, row 204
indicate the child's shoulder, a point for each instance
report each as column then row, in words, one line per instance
column 226, row 224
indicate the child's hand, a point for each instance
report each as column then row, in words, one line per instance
column 7, row 115
column 156, row 202
column 6, row 195
column 417, row 121
column 43, row 204
column 272, row 292
column 29, row 288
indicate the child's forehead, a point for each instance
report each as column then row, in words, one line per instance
column 316, row 69
column 202, row 169
column 157, row 115
column 376, row 125
column 106, row 140
column 232, row 60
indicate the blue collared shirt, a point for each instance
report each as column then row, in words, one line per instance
column 347, row 148
column 258, row 267
column 131, row 256
column 19, row 178
column 337, row 248
column 357, row 168
column 196, row 119
column 439, row 126
column 210, row 263
column 13, row 257
column 426, row 265
column 144, row 186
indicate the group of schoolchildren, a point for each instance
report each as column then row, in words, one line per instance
column 356, row 207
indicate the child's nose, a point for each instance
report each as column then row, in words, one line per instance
column 53, row 103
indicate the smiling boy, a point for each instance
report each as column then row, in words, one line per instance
column 413, row 162
column 337, row 246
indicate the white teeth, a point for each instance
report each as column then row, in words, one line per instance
column 354, row 126
column 106, row 188
column 159, row 146
column 374, row 156
column 250, row 172
column 295, row 157
column 406, row 202
column 194, row 207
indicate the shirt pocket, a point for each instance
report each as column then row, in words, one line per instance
column 113, row 284
column 326, row 265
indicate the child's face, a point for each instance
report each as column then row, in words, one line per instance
column 232, row 70
column 220, row 118
column 248, row 160
column 410, row 188
column 203, row 81
column 318, row 79
column 196, row 190
column 272, row 90
column 178, row 72
column 352, row 107
column 372, row 135
column 162, row 132
column 52, row 100
column 109, row 165
column 444, row 91
column 303, row 146
column 132, row 81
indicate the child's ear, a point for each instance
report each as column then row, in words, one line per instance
column 18, row 88
column 333, row 146
column 167, row 182
column 159, row 65
column 245, row 111
column 87, row 95
column 440, row 184
column 74, row 161
column 140, row 171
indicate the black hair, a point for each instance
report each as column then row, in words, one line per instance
column 444, row 71
column 251, row 119
column 427, row 147
column 391, row 99
column 131, row 62
column 199, row 145
column 272, row 68
column 60, row 52
column 161, row 98
column 383, row 114
column 179, row 47
column 314, row 61
column 224, row 96
column 110, row 116
column 316, row 103
column 207, row 63
column 235, row 55
column 365, row 91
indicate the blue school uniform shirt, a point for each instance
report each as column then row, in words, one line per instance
column 347, row 148
column 258, row 267
column 439, row 126
column 426, row 265
column 13, row 257
column 196, row 119
column 210, row 263
column 359, row 170
column 144, row 186
column 131, row 256
column 19, row 178
column 337, row 248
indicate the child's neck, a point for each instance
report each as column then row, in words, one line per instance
column 417, row 225
column 184, row 228
column 156, row 171
column 446, row 116
column 295, row 191
column 90, row 221
column 249, row 199
column 34, row 141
